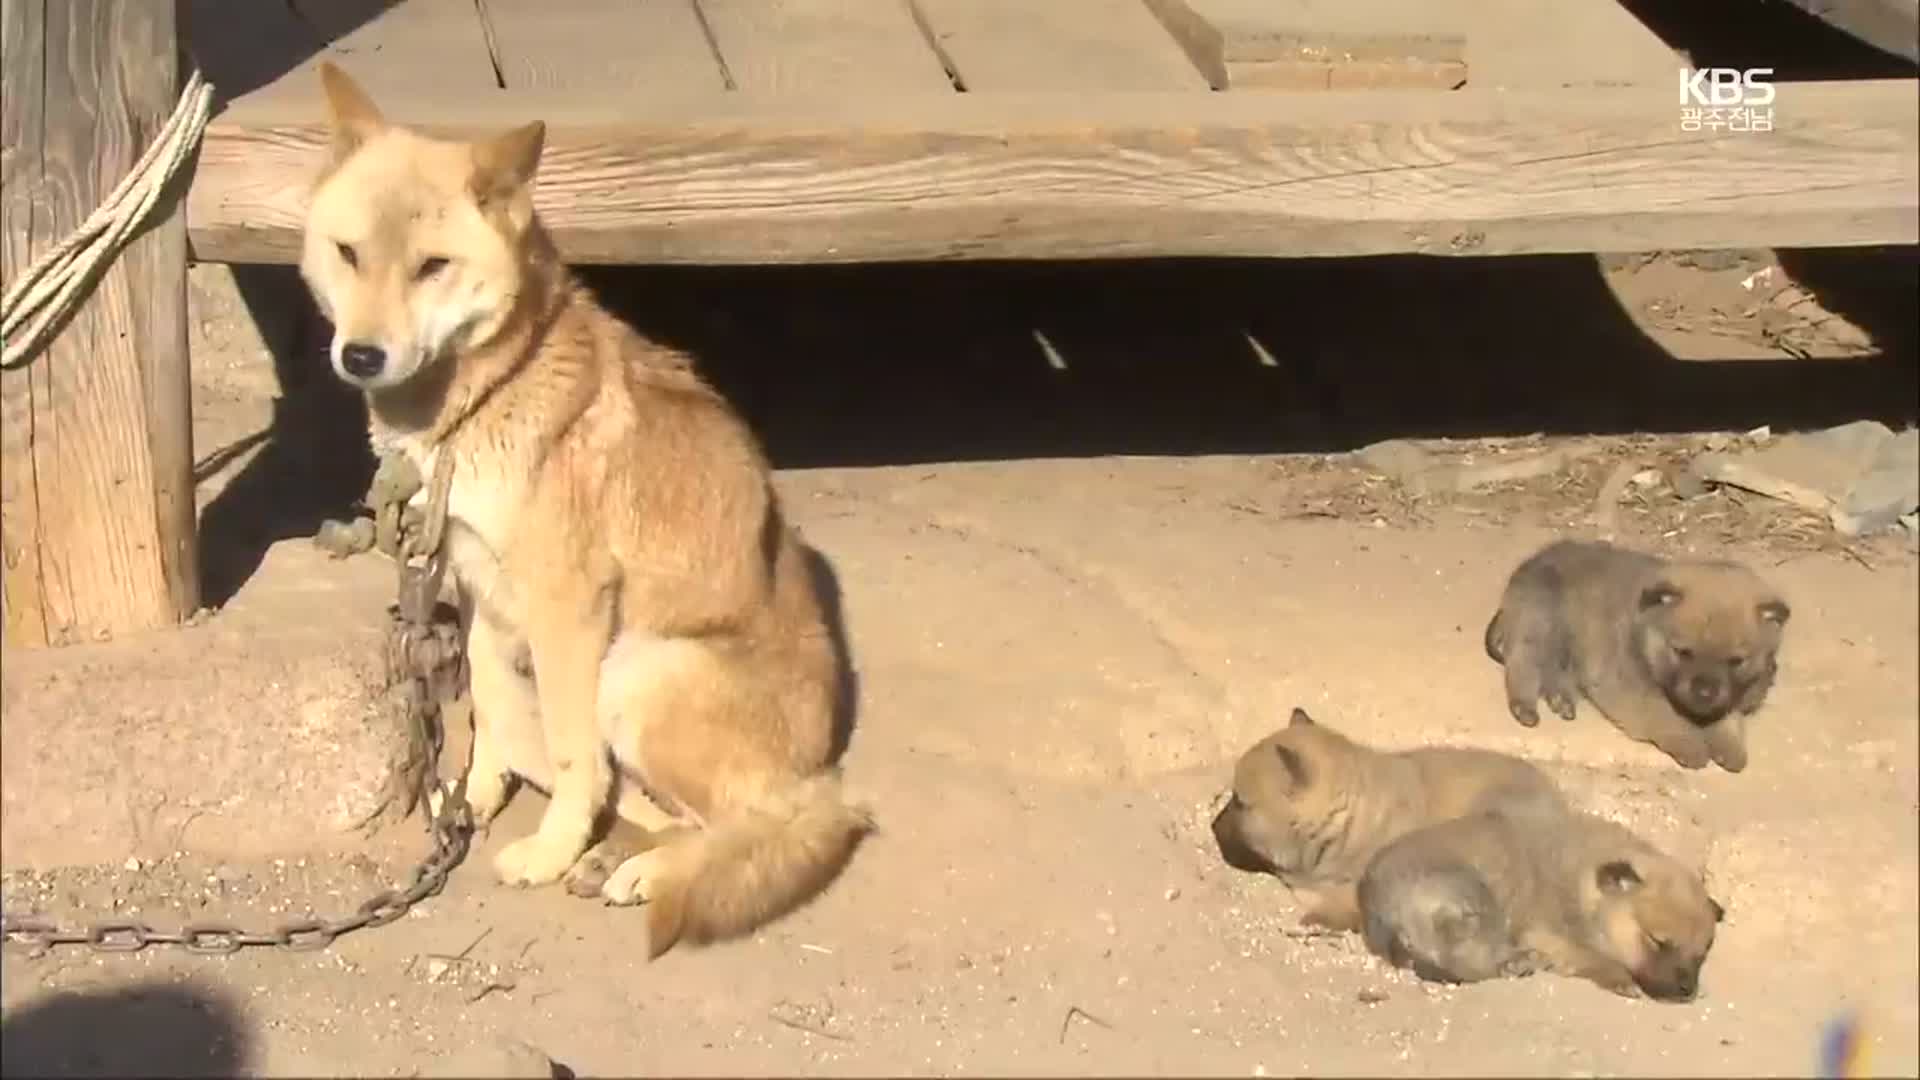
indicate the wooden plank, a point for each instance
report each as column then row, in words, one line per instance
column 22, row 66
column 1352, row 44
column 748, row 179
column 1524, row 44
column 1317, row 44
column 811, row 47
column 626, row 46
column 1892, row 26
column 1064, row 45
column 394, row 49
column 109, row 442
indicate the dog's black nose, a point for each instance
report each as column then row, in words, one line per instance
column 362, row 361
column 1704, row 687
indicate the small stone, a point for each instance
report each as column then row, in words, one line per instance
column 1646, row 478
column 341, row 539
column 1173, row 894
column 1686, row 484
column 436, row 969
column 1473, row 478
column 1888, row 490
column 1396, row 459
column 132, row 865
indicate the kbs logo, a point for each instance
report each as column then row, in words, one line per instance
column 1726, row 99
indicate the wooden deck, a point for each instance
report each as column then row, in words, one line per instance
column 785, row 131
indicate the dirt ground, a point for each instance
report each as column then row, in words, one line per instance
column 1096, row 532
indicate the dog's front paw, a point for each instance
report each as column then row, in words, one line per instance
column 1563, row 704
column 532, row 860
column 628, row 882
column 588, row 877
column 1527, row 712
column 1730, row 755
column 1617, row 982
column 1690, row 752
column 486, row 795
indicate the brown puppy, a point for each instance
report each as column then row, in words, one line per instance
column 1311, row 806
column 1511, row 892
column 1675, row 653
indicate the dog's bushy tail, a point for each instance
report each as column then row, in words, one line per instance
column 754, row 863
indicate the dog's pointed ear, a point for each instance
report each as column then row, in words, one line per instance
column 505, row 164
column 1295, row 765
column 1299, row 718
column 1659, row 594
column 1776, row 612
column 352, row 117
column 1617, row 877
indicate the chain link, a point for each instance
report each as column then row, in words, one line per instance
column 425, row 651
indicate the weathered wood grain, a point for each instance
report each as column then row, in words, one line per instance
column 1062, row 45
column 627, row 47
column 22, row 122
column 1317, row 44
column 741, row 179
column 811, row 47
column 268, row 50
column 108, row 444
column 1486, row 44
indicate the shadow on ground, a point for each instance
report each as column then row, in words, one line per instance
column 891, row 365
column 141, row 1030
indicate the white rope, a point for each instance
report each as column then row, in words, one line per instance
column 38, row 303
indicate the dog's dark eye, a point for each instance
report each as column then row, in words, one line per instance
column 1736, row 661
column 348, row 255
column 429, row 267
column 1659, row 944
column 1682, row 654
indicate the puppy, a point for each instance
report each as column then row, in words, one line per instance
column 1311, row 807
column 1675, row 653
column 1513, row 891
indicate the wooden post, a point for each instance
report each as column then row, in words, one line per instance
column 96, row 463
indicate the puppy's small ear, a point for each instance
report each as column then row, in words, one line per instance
column 505, row 164
column 1659, row 594
column 1617, row 877
column 1299, row 718
column 1719, row 912
column 352, row 117
column 1776, row 612
column 1295, row 765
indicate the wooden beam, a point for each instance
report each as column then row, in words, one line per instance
column 741, row 179
column 99, row 525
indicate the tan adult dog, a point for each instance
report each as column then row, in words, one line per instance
column 644, row 626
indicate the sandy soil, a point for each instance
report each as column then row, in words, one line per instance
column 1061, row 648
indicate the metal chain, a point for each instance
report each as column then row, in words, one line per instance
column 426, row 650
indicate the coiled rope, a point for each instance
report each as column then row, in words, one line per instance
column 39, row 302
